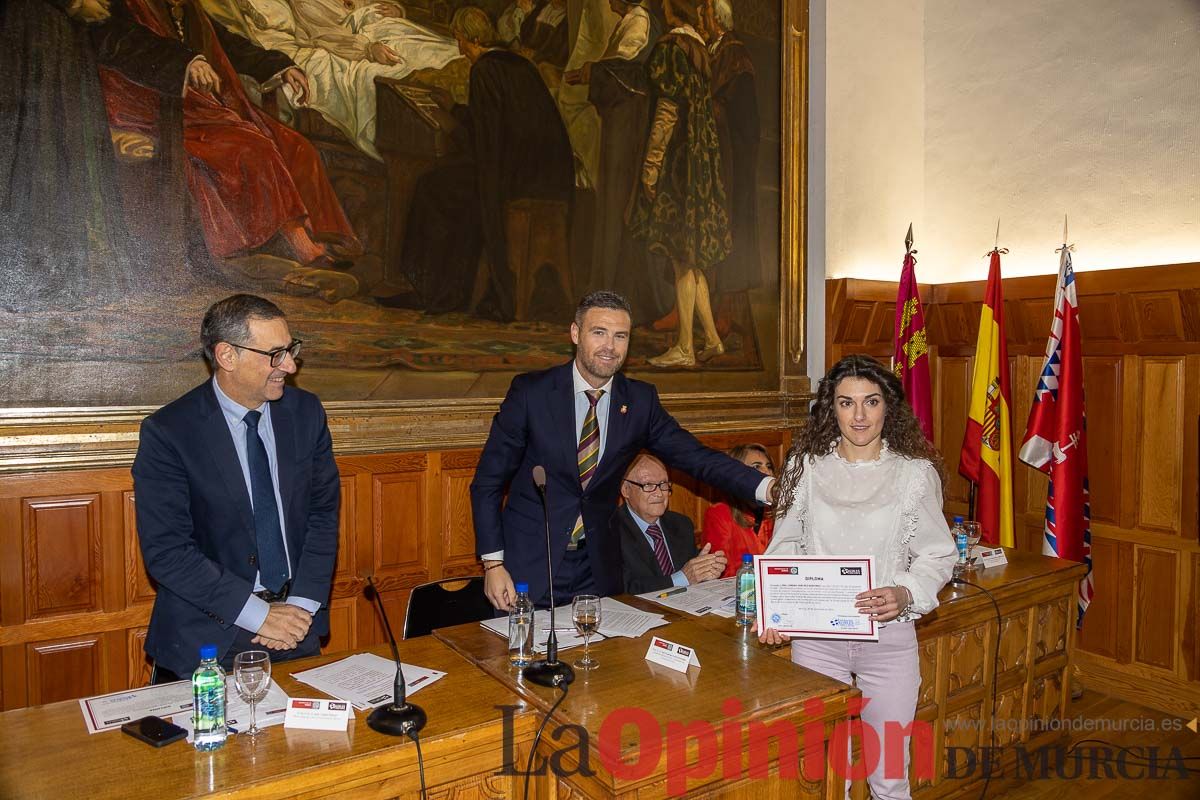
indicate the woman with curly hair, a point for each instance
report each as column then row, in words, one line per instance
column 862, row 480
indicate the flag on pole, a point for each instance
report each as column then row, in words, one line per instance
column 986, row 457
column 910, row 359
column 1056, row 436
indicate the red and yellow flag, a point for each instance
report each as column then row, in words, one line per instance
column 987, row 457
column 910, row 357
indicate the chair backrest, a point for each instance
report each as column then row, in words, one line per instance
column 440, row 604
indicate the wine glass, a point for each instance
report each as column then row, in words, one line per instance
column 585, row 613
column 252, row 678
column 974, row 533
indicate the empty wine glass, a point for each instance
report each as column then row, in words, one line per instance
column 974, row 533
column 585, row 613
column 252, row 679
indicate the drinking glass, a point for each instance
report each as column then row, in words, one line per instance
column 585, row 613
column 252, row 678
column 974, row 533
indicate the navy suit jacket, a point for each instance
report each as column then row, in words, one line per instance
column 641, row 572
column 195, row 523
column 536, row 426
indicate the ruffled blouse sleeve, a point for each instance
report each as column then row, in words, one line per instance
column 792, row 537
column 931, row 550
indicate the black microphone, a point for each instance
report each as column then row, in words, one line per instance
column 550, row 672
column 400, row 717
column 758, row 517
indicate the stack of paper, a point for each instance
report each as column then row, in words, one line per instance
column 717, row 597
column 366, row 680
column 616, row 619
column 620, row 619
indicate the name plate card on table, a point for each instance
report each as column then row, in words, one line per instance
column 317, row 715
column 813, row 596
column 670, row 654
column 988, row 556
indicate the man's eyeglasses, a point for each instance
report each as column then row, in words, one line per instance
column 275, row 355
column 649, row 488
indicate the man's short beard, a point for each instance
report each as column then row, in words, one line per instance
column 597, row 367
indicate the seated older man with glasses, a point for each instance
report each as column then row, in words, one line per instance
column 658, row 547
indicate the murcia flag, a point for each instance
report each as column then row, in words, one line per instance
column 986, row 457
column 910, row 360
column 1056, row 436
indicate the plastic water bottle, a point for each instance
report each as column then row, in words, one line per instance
column 959, row 532
column 746, row 605
column 208, row 701
column 520, row 628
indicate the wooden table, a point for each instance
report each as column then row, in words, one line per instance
column 46, row 752
column 646, row 727
column 960, row 668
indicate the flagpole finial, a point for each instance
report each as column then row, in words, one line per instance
column 908, row 239
column 1064, row 229
column 997, row 245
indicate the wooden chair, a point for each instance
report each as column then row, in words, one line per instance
column 537, row 235
column 441, row 604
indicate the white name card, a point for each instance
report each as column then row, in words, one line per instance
column 317, row 715
column 672, row 655
column 989, row 556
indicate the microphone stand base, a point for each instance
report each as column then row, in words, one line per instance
column 397, row 720
column 545, row 673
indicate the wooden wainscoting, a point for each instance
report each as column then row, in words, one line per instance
column 1141, row 340
column 75, row 599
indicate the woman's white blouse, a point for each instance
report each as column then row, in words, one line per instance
column 890, row 508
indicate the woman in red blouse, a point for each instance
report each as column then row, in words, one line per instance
column 739, row 529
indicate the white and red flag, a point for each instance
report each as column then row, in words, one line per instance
column 1056, row 436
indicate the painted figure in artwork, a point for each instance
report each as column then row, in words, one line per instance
column 680, row 210
column 513, row 147
column 735, row 109
column 64, row 243
column 251, row 177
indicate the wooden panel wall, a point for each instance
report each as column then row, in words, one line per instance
column 1141, row 340
column 75, row 599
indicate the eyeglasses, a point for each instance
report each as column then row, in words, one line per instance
column 276, row 355
column 649, row 488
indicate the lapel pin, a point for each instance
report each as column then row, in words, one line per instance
column 624, row 408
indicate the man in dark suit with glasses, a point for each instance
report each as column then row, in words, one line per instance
column 237, row 498
column 658, row 546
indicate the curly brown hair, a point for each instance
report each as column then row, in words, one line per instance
column 901, row 430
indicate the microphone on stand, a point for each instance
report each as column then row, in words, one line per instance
column 550, row 672
column 400, row 717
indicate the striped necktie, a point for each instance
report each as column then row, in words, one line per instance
column 588, row 454
column 660, row 549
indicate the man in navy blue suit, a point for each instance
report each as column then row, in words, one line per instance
column 237, row 498
column 583, row 422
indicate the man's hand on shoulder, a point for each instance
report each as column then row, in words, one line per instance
column 284, row 627
column 498, row 586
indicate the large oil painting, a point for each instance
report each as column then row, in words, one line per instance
column 426, row 187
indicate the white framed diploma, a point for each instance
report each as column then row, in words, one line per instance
column 813, row 596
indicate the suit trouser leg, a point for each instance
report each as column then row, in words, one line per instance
column 572, row 578
column 889, row 676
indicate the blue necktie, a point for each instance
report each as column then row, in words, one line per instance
column 272, row 560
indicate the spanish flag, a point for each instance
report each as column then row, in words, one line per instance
column 987, row 457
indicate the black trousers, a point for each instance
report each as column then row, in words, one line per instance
column 572, row 578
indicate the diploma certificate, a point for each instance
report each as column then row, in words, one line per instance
column 813, row 596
